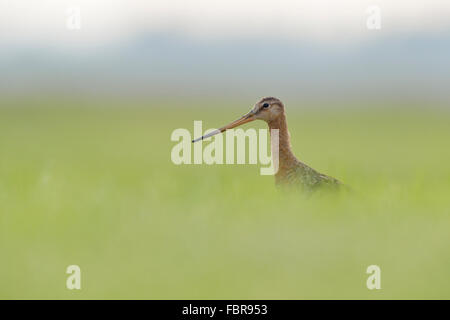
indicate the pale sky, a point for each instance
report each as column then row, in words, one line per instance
column 44, row 21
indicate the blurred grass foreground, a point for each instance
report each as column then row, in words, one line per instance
column 95, row 186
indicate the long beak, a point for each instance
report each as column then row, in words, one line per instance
column 244, row 119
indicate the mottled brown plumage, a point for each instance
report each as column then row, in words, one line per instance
column 291, row 172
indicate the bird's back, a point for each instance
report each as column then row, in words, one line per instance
column 305, row 177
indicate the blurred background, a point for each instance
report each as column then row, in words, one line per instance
column 90, row 92
column 294, row 49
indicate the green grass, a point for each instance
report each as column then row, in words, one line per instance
column 95, row 186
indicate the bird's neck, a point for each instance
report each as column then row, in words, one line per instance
column 286, row 157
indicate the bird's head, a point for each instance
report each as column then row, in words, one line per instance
column 267, row 109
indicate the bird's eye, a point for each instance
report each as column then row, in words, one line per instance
column 265, row 105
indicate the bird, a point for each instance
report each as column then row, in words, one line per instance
column 291, row 171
